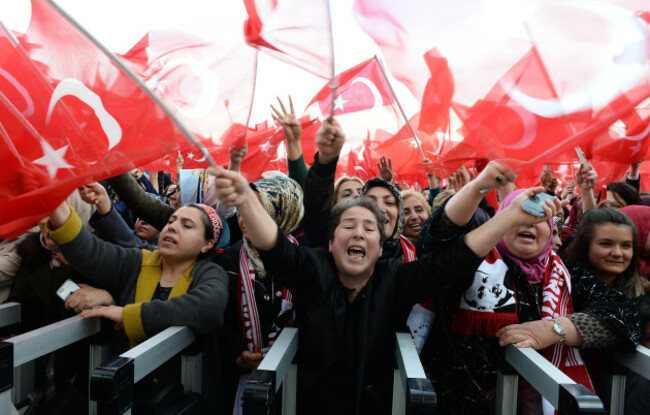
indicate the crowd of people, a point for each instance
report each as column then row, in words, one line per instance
column 349, row 263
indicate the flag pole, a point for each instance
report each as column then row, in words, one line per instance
column 408, row 124
column 334, row 84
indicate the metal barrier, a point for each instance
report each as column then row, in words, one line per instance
column 562, row 392
column 9, row 314
column 638, row 362
column 412, row 392
column 112, row 383
column 18, row 353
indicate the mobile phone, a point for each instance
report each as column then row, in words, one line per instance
column 67, row 288
column 581, row 156
column 534, row 204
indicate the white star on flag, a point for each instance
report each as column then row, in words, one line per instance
column 190, row 155
column 636, row 148
column 53, row 159
column 339, row 102
column 266, row 146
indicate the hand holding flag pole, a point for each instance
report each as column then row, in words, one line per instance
column 392, row 91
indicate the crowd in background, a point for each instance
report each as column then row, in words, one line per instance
column 348, row 262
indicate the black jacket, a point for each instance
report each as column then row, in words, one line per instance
column 337, row 338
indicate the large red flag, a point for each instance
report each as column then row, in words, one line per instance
column 82, row 117
column 503, row 128
column 292, row 31
column 209, row 86
column 436, row 100
column 360, row 88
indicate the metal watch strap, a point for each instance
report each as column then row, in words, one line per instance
column 557, row 327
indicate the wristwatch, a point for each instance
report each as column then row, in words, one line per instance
column 557, row 327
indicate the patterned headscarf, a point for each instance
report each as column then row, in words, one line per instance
column 282, row 200
column 393, row 240
column 217, row 224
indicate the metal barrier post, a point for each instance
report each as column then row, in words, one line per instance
column 638, row 362
column 412, row 392
column 112, row 383
column 556, row 387
column 276, row 368
column 9, row 314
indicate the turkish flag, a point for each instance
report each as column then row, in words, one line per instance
column 628, row 144
column 362, row 161
column 78, row 117
column 503, row 127
column 403, row 151
column 263, row 145
column 293, row 32
column 209, row 86
column 436, row 100
column 360, row 88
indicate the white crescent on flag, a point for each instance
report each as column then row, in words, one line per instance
column 379, row 102
column 639, row 136
column 75, row 88
column 609, row 82
column 529, row 123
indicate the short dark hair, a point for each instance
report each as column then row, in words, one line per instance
column 579, row 248
column 339, row 208
column 628, row 193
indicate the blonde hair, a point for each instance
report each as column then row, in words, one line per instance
column 418, row 196
column 441, row 197
column 340, row 181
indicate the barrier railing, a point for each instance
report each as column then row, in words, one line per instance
column 638, row 362
column 9, row 314
column 412, row 392
column 112, row 383
column 18, row 353
column 563, row 393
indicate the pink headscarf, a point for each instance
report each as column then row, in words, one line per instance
column 533, row 267
column 640, row 215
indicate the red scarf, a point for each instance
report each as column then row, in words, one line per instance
column 556, row 301
column 490, row 304
column 249, row 317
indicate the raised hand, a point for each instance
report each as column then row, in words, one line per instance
column 586, row 178
column 94, row 193
column 385, row 169
column 288, row 121
column 237, row 155
column 329, row 140
column 232, row 188
column 494, row 175
column 520, row 217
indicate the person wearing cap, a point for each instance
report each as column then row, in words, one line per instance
column 175, row 285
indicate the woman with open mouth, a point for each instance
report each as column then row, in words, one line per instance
column 522, row 294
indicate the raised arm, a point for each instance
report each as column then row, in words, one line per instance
column 482, row 239
column 153, row 211
column 586, row 179
column 462, row 205
column 233, row 190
